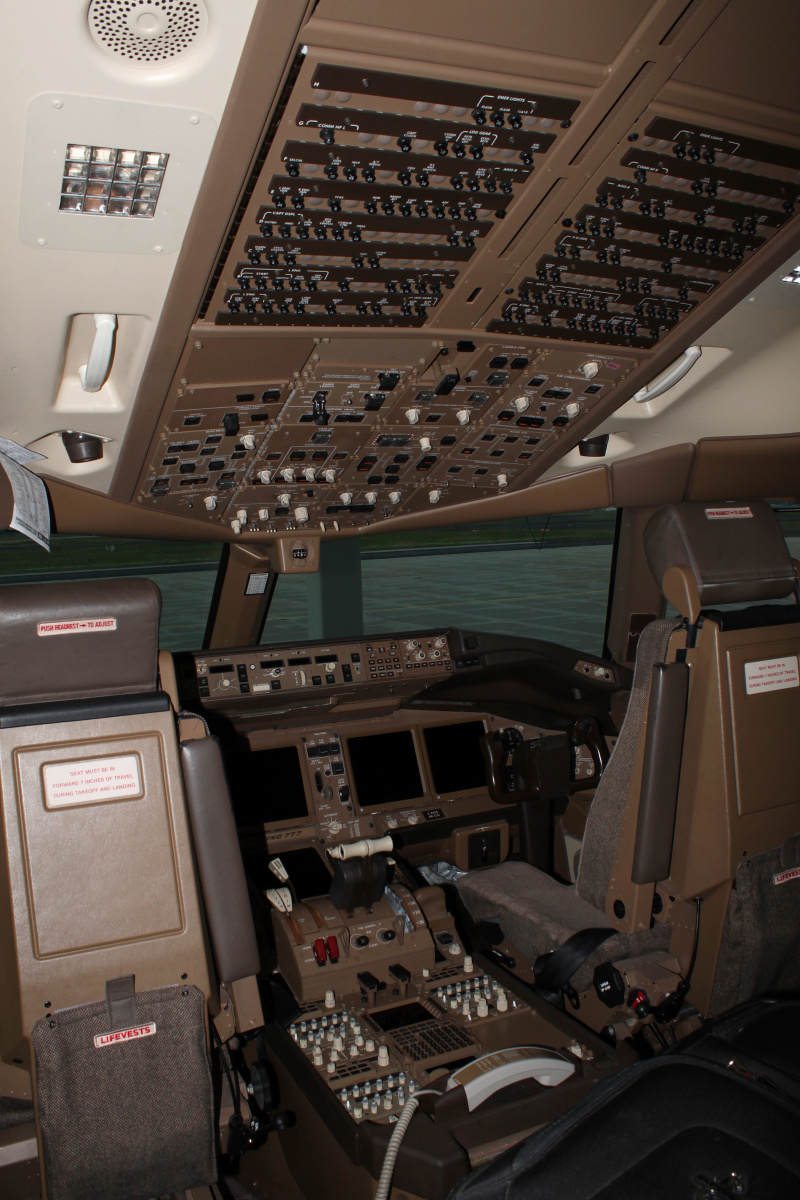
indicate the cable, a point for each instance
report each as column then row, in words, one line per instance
column 235, row 1096
column 398, row 1133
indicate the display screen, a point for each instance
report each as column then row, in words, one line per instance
column 308, row 874
column 384, row 769
column 266, row 786
column 402, row 1017
column 454, row 753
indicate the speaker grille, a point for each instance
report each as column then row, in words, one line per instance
column 147, row 33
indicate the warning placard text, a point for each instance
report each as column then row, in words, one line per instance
column 91, row 780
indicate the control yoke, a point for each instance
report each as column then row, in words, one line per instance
column 534, row 774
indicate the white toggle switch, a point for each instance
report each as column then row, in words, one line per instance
column 288, row 474
column 412, row 415
column 236, row 527
column 394, row 497
column 371, row 497
column 249, row 441
column 263, row 514
column 330, row 477
column 265, row 476
column 336, row 526
column 310, row 474
column 462, row 416
column 590, row 369
column 345, row 497
column 435, row 496
column 284, row 499
column 425, row 444
column 241, row 515
column 210, row 503
column 502, row 481
column 301, row 515
column 322, row 526
column 573, row 408
column 521, row 403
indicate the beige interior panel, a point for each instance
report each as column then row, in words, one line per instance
column 765, row 728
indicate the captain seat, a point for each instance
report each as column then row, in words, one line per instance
column 666, row 829
column 106, row 980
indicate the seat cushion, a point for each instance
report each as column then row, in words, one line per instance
column 538, row 914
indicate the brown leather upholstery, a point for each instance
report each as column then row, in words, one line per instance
column 219, row 860
column 78, row 640
column 735, row 559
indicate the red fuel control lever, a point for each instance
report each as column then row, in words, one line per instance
column 319, row 952
column 639, row 1001
column 333, row 949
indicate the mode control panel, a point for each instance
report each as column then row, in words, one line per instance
column 262, row 671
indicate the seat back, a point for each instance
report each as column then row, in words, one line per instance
column 104, row 971
column 738, row 801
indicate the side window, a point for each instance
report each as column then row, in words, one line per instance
column 184, row 571
column 789, row 520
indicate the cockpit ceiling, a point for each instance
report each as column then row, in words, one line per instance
column 425, row 261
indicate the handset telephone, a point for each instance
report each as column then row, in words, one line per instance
column 486, row 1075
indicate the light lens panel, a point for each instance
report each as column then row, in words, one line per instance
column 105, row 181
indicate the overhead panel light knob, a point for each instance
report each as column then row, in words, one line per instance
column 301, row 515
column 521, row 403
column 210, row 502
column 412, row 415
column 462, row 416
column 284, row 499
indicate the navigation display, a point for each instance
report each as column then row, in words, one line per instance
column 384, row 769
column 266, row 786
column 454, row 753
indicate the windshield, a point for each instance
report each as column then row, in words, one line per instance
column 540, row 577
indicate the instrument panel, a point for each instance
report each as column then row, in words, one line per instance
column 326, row 752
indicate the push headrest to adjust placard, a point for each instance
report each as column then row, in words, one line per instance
column 703, row 554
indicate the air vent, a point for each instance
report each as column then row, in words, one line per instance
column 148, row 33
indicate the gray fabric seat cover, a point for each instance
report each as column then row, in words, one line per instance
column 537, row 913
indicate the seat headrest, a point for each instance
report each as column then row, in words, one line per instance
column 702, row 554
column 78, row 640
